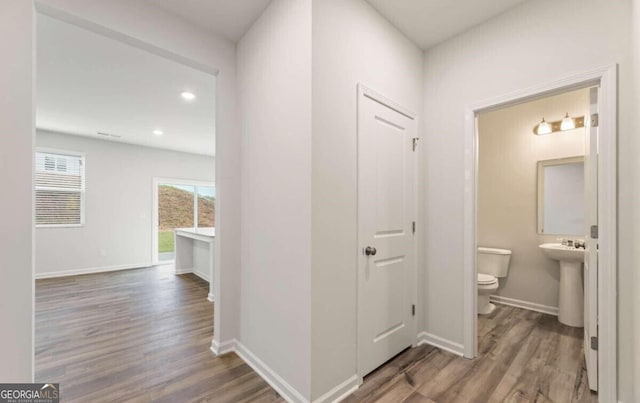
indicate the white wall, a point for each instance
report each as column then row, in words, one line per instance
column 16, row 234
column 492, row 59
column 274, row 76
column 508, row 153
column 156, row 27
column 118, row 204
column 352, row 44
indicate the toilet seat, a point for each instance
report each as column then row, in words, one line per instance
column 486, row 279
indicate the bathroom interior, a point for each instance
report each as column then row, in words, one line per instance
column 533, row 194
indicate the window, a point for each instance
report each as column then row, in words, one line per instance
column 180, row 204
column 56, row 163
column 59, row 186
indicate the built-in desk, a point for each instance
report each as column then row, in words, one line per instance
column 195, row 253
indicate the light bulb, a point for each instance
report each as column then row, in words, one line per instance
column 567, row 123
column 544, row 127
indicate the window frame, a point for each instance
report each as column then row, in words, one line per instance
column 82, row 191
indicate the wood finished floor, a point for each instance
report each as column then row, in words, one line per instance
column 136, row 335
column 144, row 335
column 523, row 356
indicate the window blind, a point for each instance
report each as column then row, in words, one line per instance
column 59, row 187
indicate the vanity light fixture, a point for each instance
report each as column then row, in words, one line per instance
column 158, row 132
column 568, row 123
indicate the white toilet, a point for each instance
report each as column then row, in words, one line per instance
column 492, row 264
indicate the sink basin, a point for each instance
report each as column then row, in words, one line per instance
column 571, row 298
column 559, row 252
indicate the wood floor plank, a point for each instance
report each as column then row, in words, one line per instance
column 485, row 377
column 137, row 335
column 416, row 397
column 144, row 335
column 432, row 364
column 524, row 356
column 521, row 379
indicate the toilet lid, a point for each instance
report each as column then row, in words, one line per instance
column 486, row 279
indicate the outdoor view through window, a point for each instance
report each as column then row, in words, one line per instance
column 182, row 206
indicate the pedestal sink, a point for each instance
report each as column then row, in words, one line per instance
column 571, row 309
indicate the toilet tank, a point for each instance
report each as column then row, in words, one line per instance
column 493, row 261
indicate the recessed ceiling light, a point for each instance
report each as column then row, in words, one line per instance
column 158, row 132
column 188, row 96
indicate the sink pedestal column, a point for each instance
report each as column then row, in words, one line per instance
column 571, row 309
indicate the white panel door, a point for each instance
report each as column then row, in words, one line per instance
column 591, row 256
column 386, row 211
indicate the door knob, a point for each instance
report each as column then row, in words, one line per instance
column 369, row 251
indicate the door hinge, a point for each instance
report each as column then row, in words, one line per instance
column 415, row 143
column 594, row 343
column 594, row 232
column 413, row 310
column 413, row 227
column 594, row 120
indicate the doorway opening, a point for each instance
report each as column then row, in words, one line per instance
column 179, row 204
column 532, row 202
column 563, row 178
column 112, row 113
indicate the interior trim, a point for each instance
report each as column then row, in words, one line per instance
column 530, row 306
column 90, row 270
column 441, row 343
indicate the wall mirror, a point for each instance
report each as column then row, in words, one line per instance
column 561, row 196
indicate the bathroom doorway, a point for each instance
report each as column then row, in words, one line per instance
column 537, row 166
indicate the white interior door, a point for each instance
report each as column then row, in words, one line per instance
column 386, row 214
column 591, row 256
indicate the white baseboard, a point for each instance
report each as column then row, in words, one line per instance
column 210, row 297
column 162, row 262
column 203, row 276
column 341, row 391
column 286, row 391
column 91, row 270
column 441, row 343
column 531, row 306
column 184, row 271
column 224, row 347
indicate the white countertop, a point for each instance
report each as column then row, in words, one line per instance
column 204, row 231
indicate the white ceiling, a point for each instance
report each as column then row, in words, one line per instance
column 429, row 22
column 426, row 22
column 228, row 18
column 88, row 83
